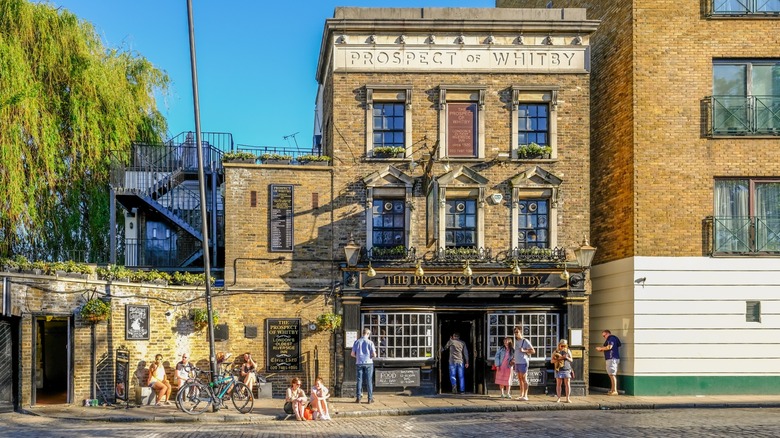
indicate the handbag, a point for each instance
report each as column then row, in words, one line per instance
column 288, row 409
column 494, row 368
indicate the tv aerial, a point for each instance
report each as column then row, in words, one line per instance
column 287, row 137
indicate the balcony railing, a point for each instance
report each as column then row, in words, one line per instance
column 743, row 7
column 445, row 256
column 746, row 235
column 745, row 115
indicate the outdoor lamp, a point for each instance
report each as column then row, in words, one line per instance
column 516, row 268
column 467, row 269
column 585, row 254
column 351, row 251
column 565, row 274
column 419, row 271
column 371, row 272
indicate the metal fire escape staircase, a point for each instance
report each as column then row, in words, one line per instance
column 162, row 182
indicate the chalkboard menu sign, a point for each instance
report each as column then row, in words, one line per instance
column 122, row 378
column 281, row 220
column 397, row 377
column 283, row 344
column 461, row 132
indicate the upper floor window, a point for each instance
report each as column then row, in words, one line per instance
column 461, row 223
column 462, row 121
column 746, row 97
column 747, row 216
column 389, row 223
column 388, row 115
column 534, row 220
column 745, row 7
column 534, row 126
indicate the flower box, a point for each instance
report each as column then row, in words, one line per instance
column 314, row 163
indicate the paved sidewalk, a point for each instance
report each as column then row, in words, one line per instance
column 395, row 404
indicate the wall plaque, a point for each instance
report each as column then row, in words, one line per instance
column 281, row 220
column 136, row 322
column 283, row 344
column 461, row 129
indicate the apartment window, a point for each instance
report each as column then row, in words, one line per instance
column 746, row 97
column 461, row 223
column 462, row 121
column 388, row 115
column 389, row 223
column 534, row 220
column 534, row 125
column 745, row 7
column 540, row 328
column 389, row 125
column 747, row 216
column 401, row 335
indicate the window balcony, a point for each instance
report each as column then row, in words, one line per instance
column 749, row 235
column 742, row 8
column 744, row 115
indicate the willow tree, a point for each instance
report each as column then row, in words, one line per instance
column 68, row 106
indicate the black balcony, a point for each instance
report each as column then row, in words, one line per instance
column 746, row 235
column 744, row 115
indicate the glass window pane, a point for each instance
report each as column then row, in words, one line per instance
column 729, row 80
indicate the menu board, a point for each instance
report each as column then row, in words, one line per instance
column 281, row 220
column 397, row 377
column 461, row 129
column 122, row 378
column 283, row 344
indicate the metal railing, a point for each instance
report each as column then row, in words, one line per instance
column 400, row 254
column 746, row 235
column 744, row 115
column 291, row 152
column 743, row 7
column 158, row 253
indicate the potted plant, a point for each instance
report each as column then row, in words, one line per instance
column 273, row 158
column 95, row 310
column 388, row 152
column 316, row 160
column 114, row 273
column 200, row 317
column 533, row 151
column 239, row 157
column 328, row 322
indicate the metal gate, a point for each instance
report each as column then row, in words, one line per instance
column 6, row 367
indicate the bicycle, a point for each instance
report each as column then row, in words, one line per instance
column 196, row 396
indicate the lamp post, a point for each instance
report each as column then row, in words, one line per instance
column 584, row 256
column 352, row 255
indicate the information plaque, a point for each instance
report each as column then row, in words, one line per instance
column 281, row 220
column 283, row 344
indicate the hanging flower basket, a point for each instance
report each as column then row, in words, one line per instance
column 200, row 318
column 328, row 322
column 95, row 310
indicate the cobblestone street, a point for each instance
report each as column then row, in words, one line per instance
column 605, row 423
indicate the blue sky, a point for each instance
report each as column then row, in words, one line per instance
column 256, row 58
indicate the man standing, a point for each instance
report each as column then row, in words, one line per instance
column 523, row 351
column 364, row 352
column 612, row 357
column 459, row 360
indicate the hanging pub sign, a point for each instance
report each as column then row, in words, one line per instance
column 283, row 344
column 122, row 377
column 281, row 219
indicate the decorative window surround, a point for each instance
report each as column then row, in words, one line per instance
column 389, row 182
column 461, row 182
column 461, row 94
column 535, row 94
column 535, row 183
column 390, row 94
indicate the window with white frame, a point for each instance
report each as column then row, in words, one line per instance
column 461, row 121
column 534, row 220
column 540, row 328
column 401, row 335
column 535, row 208
column 388, row 117
column 534, row 125
column 747, row 216
column 389, row 223
column 461, row 213
column 460, row 223
column 388, row 210
column 746, row 97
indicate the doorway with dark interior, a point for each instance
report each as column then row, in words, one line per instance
column 463, row 325
column 52, row 360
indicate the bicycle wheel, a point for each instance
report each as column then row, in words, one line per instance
column 242, row 398
column 194, row 398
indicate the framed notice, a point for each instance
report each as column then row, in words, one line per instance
column 136, row 322
column 283, row 345
column 122, row 377
column 281, row 218
column 461, row 129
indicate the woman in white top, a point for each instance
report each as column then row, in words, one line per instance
column 319, row 400
column 158, row 381
column 297, row 396
column 523, row 352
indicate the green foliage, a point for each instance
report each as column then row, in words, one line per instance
column 328, row 321
column 200, row 317
column 114, row 272
column 270, row 156
column 238, row 155
column 389, row 151
column 533, row 150
column 68, row 106
column 188, row 279
column 95, row 310
column 392, row 252
column 150, row 276
column 311, row 157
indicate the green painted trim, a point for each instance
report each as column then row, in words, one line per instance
column 691, row 385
